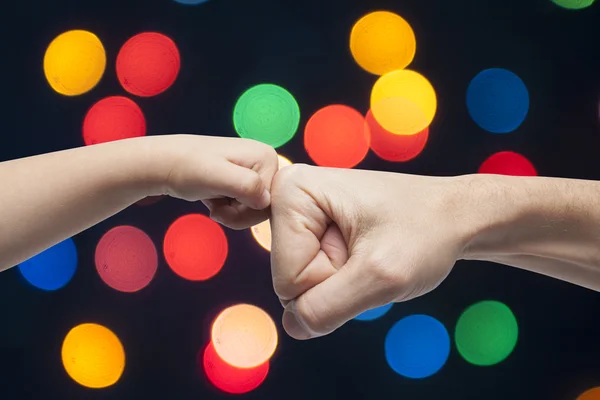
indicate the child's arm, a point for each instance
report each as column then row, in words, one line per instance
column 51, row 197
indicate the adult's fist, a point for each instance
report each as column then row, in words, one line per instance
column 346, row 241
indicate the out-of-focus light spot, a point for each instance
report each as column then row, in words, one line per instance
column 262, row 231
column 337, row 136
column 74, row 62
column 374, row 313
column 417, row 346
column 403, row 102
column 486, row 333
column 574, row 4
column 195, row 247
column 191, row 2
column 150, row 200
column 228, row 378
column 498, row 100
column 148, row 64
column 113, row 118
column 244, row 336
column 591, row 394
column 53, row 268
column 93, row 356
column 395, row 148
column 267, row 113
column 126, row 259
column 508, row 163
column 381, row 42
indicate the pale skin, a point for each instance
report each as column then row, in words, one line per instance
column 343, row 241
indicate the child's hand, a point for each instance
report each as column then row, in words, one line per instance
column 231, row 176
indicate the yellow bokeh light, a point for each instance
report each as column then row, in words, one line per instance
column 74, row 62
column 262, row 231
column 93, row 356
column 244, row 336
column 381, row 42
column 410, row 89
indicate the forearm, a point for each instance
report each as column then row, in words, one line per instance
column 546, row 225
column 51, row 197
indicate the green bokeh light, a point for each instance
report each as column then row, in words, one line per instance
column 267, row 113
column 486, row 333
column 574, row 4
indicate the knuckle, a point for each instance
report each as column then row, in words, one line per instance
column 288, row 177
column 252, row 184
column 386, row 274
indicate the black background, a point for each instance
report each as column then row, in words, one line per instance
column 228, row 46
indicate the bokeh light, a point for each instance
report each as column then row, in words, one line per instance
column 417, row 346
column 486, row 333
column 126, row 259
column 267, row 113
column 508, row 163
column 93, row 356
column 374, row 313
column 392, row 147
column 591, row 394
column 337, row 136
column 191, row 2
column 53, row 268
column 381, row 42
column 403, row 102
column 113, row 118
column 574, row 4
column 195, row 247
column 498, row 100
column 228, row 378
column 74, row 62
column 244, row 336
column 148, row 64
column 262, row 231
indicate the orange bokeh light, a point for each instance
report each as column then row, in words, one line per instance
column 195, row 247
column 337, row 136
column 244, row 336
column 592, row 394
column 228, row 378
column 395, row 148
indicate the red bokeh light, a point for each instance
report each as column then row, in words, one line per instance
column 508, row 163
column 395, row 148
column 148, row 64
column 113, row 118
column 229, row 378
column 337, row 136
column 195, row 247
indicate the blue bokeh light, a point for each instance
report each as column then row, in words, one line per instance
column 53, row 268
column 417, row 346
column 191, row 2
column 374, row 313
column 498, row 100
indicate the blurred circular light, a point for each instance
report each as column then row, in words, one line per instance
column 374, row 313
column 191, row 2
column 195, row 247
column 148, row 64
column 392, row 147
column 126, row 259
column 337, row 136
column 93, row 356
column 486, row 333
column 508, row 163
column 74, row 62
column 267, row 113
column 262, row 231
column 498, row 100
column 113, row 118
column 417, row 346
column 574, row 4
column 228, row 378
column 53, row 268
column 381, row 42
column 591, row 394
column 244, row 336
column 403, row 102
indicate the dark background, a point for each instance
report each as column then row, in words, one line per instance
column 228, row 46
